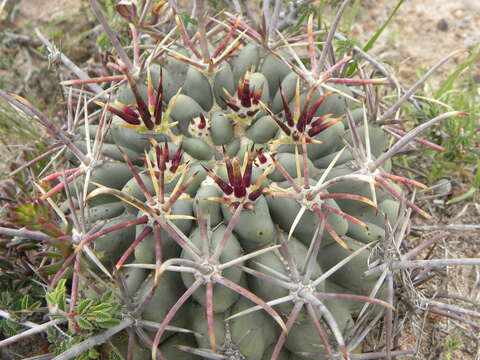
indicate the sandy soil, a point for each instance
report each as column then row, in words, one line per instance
column 422, row 32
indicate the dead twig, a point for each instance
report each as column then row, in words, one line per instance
column 111, row 34
column 397, row 265
column 26, row 234
column 94, row 341
column 417, row 85
column 57, row 54
column 457, row 227
column 32, row 331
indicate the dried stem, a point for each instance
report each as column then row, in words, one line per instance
column 453, row 308
column 45, row 155
column 276, row 16
column 397, row 265
column 34, row 330
column 459, row 227
column 200, row 6
column 424, row 245
column 294, row 8
column 33, row 235
column 111, row 34
column 454, row 317
column 417, row 85
column 54, row 52
column 94, row 341
column 56, row 132
column 389, row 319
column 171, row 313
column 331, row 34
column 146, row 6
column 410, row 136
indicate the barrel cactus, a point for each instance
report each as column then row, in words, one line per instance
column 236, row 190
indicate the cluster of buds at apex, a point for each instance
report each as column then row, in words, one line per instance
column 128, row 10
column 165, row 164
column 160, row 205
column 247, row 102
column 199, row 127
column 262, row 161
column 142, row 116
column 302, row 126
column 156, row 211
column 239, row 190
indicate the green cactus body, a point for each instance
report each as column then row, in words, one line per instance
column 199, row 326
column 378, row 138
column 125, row 94
column 284, row 354
column 109, row 150
column 223, row 298
column 131, row 139
column 164, row 297
column 284, row 212
column 223, row 83
column 274, row 260
column 219, row 147
column 303, row 337
column 209, row 208
column 177, row 69
column 133, row 188
column 170, row 348
column 335, row 104
column 197, row 148
column 274, row 70
column 120, row 341
column 105, row 211
column 109, row 174
column 110, row 247
column 329, row 142
column 134, row 278
column 253, row 333
column 258, row 82
column 289, row 163
column 371, row 233
column 262, row 130
column 221, row 129
column 255, row 229
column 391, row 210
column 184, row 110
column 324, row 161
column 198, row 88
column 81, row 133
column 351, row 275
column 171, row 81
column 145, row 251
column 288, row 85
column 248, row 59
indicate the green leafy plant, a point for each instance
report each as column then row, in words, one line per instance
column 452, row 343
column 459, row 137
column 20, row 306
column 87, row 317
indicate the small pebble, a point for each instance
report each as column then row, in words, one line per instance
column 442, row 25
column 443, row 187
